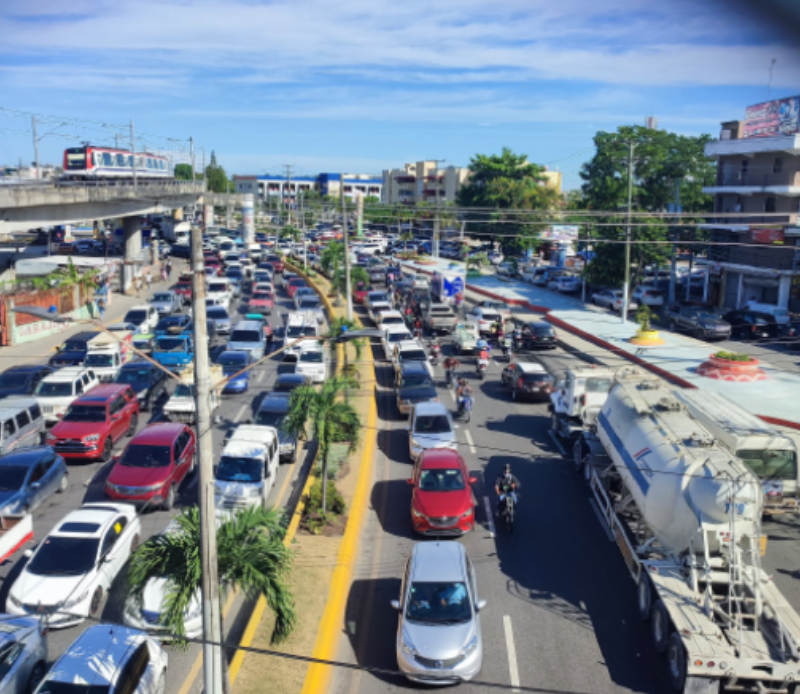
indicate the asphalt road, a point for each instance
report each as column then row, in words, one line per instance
column 86, row 482
column 559, row 596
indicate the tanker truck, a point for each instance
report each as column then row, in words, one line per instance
column 685, row 514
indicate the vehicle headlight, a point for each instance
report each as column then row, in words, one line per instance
column 417, row 514
column 254, row 491
column 471, row 647
column 407, row 646
column 14, row 601
column 67, row 604
column 467, row 513
column 416, row 443
column 91, row 438
column 51, row 439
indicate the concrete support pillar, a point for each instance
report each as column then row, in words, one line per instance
column 132, row 235
column 208, row 215
column 177, row 215
column 248, row 219
column 706, row 280
column 784, row 290
column 739, row 290
column 228, row 214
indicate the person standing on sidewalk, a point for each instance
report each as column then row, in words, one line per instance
column 169, row 269
column 148, row 278
column 101, row 307
column 459, row 300
column 163, row 273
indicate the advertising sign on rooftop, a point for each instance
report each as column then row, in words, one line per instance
column 773, row 118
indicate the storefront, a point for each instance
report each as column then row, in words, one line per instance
column 730, row 286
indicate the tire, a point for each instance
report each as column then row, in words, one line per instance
column 108, row 448
column 577, row 456
column 586, row 469
column 97, row 599
column 660, row 626
column 644, row 597
column 36, row 676
column 63, row 484
column 513, row 393
column 133, row 424
column 554, row 423
column 676, row 662
column 169, row 500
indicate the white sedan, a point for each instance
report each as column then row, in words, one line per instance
column 484, row 317
column 649, row 296
column 73, row 568
column 612, row 298
column 568, row 283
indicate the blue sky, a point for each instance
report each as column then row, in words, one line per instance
column 365, row 85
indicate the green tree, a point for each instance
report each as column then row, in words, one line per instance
column 70, row 276
column 251, row 557
column 332, row 420
column 339, row 325
column 216, row 178
column 331, row 258
column 183, row 172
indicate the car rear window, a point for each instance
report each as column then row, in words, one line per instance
column 246, row 336
column 535, row 378
column 544, row 332
column 413, row 355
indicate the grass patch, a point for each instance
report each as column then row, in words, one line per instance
column 733, row 356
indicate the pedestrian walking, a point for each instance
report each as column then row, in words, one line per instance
column 101, row 307
column 169, row 268
column 149, row 279
column 459, row 300
column 163, row 273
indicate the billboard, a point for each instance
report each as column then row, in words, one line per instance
column 773, row 118
column 774, row 235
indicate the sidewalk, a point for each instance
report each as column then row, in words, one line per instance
column 774, row 399
column 120, row 305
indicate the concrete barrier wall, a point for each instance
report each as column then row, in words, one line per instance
column 35, row 331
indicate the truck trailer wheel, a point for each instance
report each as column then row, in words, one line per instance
column 660, row 626
column 578, row 455
column 644, row 596
column 676, row 662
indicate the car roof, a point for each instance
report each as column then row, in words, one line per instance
column 138, row 363
column 408, row 344
column 90, row 514
column 102, row 393
column 411, row 367
column 528, row 367
column 66, row 374
column 247, row 325
column 140, row 307
column 237, row 352
column 159, row 434
column 27, row 368
column 430, row 408
column 438, row 562
column 97, row 655
column 27, row 456
column 290, row 378
column 87, row 335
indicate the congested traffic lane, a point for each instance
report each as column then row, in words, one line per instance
column 560, row 600
column 87, row 480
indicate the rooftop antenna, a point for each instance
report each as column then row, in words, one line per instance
column 769, row 84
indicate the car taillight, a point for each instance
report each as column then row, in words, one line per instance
column 519, row 383
column 583, row 400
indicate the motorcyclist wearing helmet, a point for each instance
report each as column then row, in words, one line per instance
column 464, row 391
column 450, row 365
column 506, row 483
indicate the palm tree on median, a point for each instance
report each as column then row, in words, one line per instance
column 251, row 557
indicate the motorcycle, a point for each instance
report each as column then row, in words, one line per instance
column 482, row 366
column 436, row 353
column 507, row 348
column 507, row 512
column 465, row 408
column 516, row 340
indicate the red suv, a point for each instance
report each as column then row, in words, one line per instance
column 442, row 502
column 293, row 285
column 153, row 466
column 95, row 422
column 277, row 262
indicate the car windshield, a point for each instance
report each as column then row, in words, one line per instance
column 392, row 320
column 534, row 378
column 413, row 355
column 217, row 312
column 135, row 317
column 432, row 424
column 308, row 304
column 232, row 469
column 771, row 464
column 311, row 356
column 85, row 413
column 232, row 359
column 56, row 687
column 171, row 344
column 246, row 336
column 70, row 556
column 398, row 337
column 13, row 380
column 132, row 376
column 162, row 297
column 490, row 316
column 295, row 331
column 12, row 477
column 598, row 385
column 438, row 603
column 270, row 419
column 99, row 360
column 184, row 390
column 447, row 480
column 145, row 455
column 416, row 381
column 170, row 321
column 260, row 296
column 54, row 389
column 218, row 287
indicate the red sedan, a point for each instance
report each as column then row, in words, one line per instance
column 277, row 262
column 293, row 285
column 95, row 422
column 153, row 466
column 260, row 302
column 442, row 502
column 360, row 292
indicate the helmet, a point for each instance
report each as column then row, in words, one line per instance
column 506, row 470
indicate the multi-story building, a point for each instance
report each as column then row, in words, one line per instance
column 755, row 238
column 422, row 182
column 267, row 186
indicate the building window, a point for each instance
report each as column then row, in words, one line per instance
column 745, row 164
column 769, row 205
column 777, row 166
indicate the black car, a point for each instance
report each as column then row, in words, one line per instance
column 147, row 380
column 751, row 325
column 73, row 351
column 539, row 336
column 172, row 324
column 286, row 383
column 527, row 380
column 414, row 385
column 22, row 380
column 211, row 329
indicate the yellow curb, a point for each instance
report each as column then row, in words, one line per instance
column 318, row 676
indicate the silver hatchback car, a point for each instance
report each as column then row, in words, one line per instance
column 439, row 631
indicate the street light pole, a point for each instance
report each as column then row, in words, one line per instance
column 626, row 287
column 347, row 289
column 212, row 623
column 35, row 147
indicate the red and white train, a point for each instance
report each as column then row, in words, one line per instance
column 89, row 163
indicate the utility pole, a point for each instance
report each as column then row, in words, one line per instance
column 626, row 286
column 191, row 151
column 289, row 190
column 204, row 167
column 303, row 231
column 347, row 288
column 35, row 147
column 673, row 270
column 133, row 153
column 212, row 623
column 116, row 139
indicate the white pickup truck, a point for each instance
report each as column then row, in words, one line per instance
column 247, row 468
column 181, row 406
column 105, row 354
column 465, row 337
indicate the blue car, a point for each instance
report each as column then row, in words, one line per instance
column 29, row 477
column 22, row 380
column 231, row 362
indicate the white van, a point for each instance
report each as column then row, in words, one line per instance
column 57, row 391
column 105, row 356
column 781, row 315
column 311, row 362
column 298, row 324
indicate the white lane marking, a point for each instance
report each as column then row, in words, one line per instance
column 557, row 442
column 602, row 520
column 513, row 671
column 261, row 375
column 240, row 413
column 489, row 518
column 470, row 441
column 452, row 395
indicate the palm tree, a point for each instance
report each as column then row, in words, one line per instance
column 477, row 261
column 405, row 236
column 331, row 258
column 250, row 553
column 70, row 276
column 291, row 232
column 339, row 278
column 332, row 420
column 337, row 327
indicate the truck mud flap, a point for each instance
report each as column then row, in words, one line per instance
column 701, row 685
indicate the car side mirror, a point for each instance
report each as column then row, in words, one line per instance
column 28, row 553
column 35, row 485
column 480, row 605
column 410, row 481
column 395, row 604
